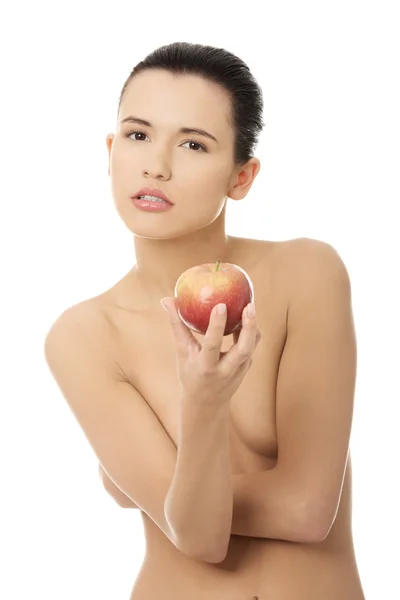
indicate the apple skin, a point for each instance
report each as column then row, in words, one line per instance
column 200, row 288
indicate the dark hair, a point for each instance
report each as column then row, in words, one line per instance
column 224, row 68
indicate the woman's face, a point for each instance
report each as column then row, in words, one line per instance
column 196, row 177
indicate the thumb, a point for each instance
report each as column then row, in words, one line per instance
column 166, row 304
column 182, row 333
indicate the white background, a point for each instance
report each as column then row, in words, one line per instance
column 330, row 170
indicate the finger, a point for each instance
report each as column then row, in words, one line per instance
column 249, row 336
column 182, row 334
column 213, row 338
column 236, row 334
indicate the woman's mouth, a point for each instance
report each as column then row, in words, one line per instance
column 151, row 204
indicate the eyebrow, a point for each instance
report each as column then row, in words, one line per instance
column 181, row 130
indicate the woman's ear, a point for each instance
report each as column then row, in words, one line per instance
column 109, row 142
column 244, row 179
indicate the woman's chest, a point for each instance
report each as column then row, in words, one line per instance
column 252, row 414
column 149, row 362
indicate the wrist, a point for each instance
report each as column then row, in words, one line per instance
column 203, row 405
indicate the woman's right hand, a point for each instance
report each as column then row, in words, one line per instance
column 206, row 374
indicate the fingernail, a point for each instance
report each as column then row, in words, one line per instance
column 251, row 310
column 163, row 305
column 221, row 309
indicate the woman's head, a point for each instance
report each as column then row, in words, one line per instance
column 177, row 86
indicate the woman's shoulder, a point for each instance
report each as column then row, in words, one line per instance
column 276, row 252
column 275, row 246
column 277, row 265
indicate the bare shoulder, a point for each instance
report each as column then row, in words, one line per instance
column 87, row 315
column 311, row 262
column 87, row 324
column 305, row 254
column 278, row 250
column 291, row 247
column 286, row 266
column 299, row 254
column 283, row 256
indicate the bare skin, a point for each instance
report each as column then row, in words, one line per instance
column 198, row 175
column 255, row 568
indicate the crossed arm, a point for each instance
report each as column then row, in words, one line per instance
column 299, row 498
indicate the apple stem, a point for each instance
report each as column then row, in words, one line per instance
column 218, row 263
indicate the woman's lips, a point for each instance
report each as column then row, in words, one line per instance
column 149, row 206
column 152, row 192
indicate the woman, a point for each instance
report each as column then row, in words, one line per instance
column 234, row 448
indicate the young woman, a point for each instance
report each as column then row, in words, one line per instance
column 234, row 448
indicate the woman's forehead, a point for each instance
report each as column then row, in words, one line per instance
column 160, row 97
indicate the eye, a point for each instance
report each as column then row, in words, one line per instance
column 127, row 135
column 203, row 148
column 191, row 141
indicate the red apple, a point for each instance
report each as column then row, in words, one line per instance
column 200, row 288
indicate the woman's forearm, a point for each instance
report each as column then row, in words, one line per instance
column 199, row 503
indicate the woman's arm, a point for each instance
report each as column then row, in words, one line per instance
column 120, row 498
